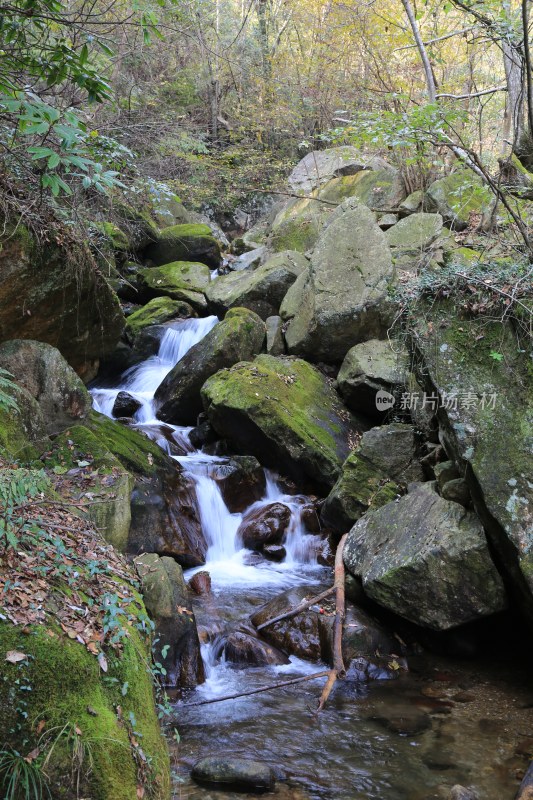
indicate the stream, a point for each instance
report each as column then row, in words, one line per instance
column 480, row 711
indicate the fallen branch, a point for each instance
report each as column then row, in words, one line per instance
column 269, row 688
column 339, row 670
column 305, row 604
column 285, row 194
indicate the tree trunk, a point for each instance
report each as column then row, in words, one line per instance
column 513, row 125
column 430, row 78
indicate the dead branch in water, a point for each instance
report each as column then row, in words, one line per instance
column 339, row 670
column 257, row 691
column 305, row 604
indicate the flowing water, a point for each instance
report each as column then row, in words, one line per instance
column 480, row 715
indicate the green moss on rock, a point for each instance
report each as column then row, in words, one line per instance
column 156, row 312
column 283, row 411
column 189, row 242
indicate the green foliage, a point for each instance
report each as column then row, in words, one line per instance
column 17, row 488
column 21, row 777
column 7, row 402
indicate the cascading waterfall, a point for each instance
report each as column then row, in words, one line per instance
column 227, row 560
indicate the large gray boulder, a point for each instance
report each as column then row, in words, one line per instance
column 260, row 290
column 319, row 166
column 344, row 299
column 427, row 560
column 283, row 411
column 239, row 337
column 168, row 602
column 42, row 371
column 377, row 472
column 372, row 367
column 414, row 241
column 481, row 373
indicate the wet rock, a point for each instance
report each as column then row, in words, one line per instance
column 426, row 559
column 310, row 634
column 244, row 648
column 239, row 337
column 457, row 491
column 241, row 481
column 201, row 583
column 164, row 513
column 203, row 434
column 184, row 243
column 260, row 290
column 463, row 793
column 168, row 602
column 405, row 721
column 283, row 411
column 372, row 367
column 239, row 773
column 274, row 552
column 125, row 405
column 311, row 518
column 262, row 526
column 45, row 375
column 344, row 299
column 275, row 344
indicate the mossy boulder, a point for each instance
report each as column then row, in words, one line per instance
column 180, row 280
column 320, row 166
column 111, row 485
column 427, row 560
column 189, row 242
column 283, row 411
column 482, row 372
column 457, row 196
column 51, row 291
column 156, row 312
column 413, row 202
column 168, row 602
column 22, row 427
column 261, row 290
column 372, row 367
column 164, row 513
column 114, row 236
column 239, row 337
column 415, row 233
column 41, row 370
column 378, row 189
column 377, row 472
column 345, row 297
column 298, row 231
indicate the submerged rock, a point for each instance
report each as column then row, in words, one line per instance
column 260, row 290
column 239, row 337
column 344, row 299
column 427, row 560
column 168, row 602
column 187, row 242
column 44, row 374
column 239, row 773
column 283, row 411
column 244, row 648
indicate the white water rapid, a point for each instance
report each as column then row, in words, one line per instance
column 229, row 564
